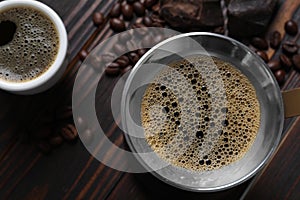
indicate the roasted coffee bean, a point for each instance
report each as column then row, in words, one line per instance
column 289, row 47
column 142, row 29
column 83, row 54
column 116, row 10
column 296, row 61
column 130, row 1
column 141, row 52
column 98, row 18
column 275, row 39
column 263, row 55
column 147, row 21
column 285, row 61
column 156, row 24
column 56, row 140
column 113, row 69
column 138, row 8
column 120, row 49
column 44, row 147
column 117, row 24
column 127, row 11
column 142, row 2
column 126, row 69
column 274, row 65
column 69, row 132
column 123, row 61
column 64, row 113
column 280, row 75
column 291, row 27
column 149, row 3
column 134, row 57
column 259, row 43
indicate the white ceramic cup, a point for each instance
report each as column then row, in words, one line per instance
column 55, row 71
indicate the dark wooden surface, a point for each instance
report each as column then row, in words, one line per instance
column 70, row 172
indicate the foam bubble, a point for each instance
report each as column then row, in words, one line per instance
column 197, row 132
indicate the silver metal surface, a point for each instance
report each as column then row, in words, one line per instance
column 242, row 58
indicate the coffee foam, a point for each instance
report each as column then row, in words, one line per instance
column 33, row 48
column 188, row 126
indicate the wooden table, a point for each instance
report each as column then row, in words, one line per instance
column 70, row 172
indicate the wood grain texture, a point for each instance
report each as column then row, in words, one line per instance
column 70, row 172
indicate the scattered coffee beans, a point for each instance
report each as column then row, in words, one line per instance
column 289, row 47
column 134, row 57
column 123, row 61
column 274, row 65
column 275, row 39
column 138, row 8
column 117, row 24
column 113, row 69
column 263, row 55
column 127, row 11
column 116, row 10
column 291, row 27
column 285, row 61
column 69, row 132
column 98, row 18
column 149, row 3
column 296, row 61
column 280, row 75
column 259, row 43
column 83, row 54
column 147, row 21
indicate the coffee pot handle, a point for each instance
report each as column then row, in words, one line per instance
column 291, row 101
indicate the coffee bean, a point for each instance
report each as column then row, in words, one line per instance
column 289, row 47
column 126, row 69
column 274, row 65
column 117, row 24
column 44, row 147
column 142, row 29
column 259, row 43
column 56, row 140
column 123, row 61
column 116, row 10
column 285, row 61
column 127, row 11
column 149, row 3
column 98, row 18
column 296, row 61
column 69, row 132
column 263, row 55
column 138, row 8
column 142, row 2
column 147, row 21
column 156, row 24
column 291, row 27
column 130, row 1
column 280, row 75
column 134, row 57
column 83, row 54
column 112, row 70
column 275, row 39
column 141, row 52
